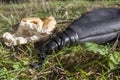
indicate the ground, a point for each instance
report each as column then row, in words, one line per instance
column 82, row 62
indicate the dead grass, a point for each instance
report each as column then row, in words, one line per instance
column 74, row 63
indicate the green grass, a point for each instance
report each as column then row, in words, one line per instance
column 89, row 61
